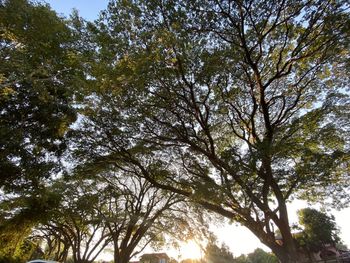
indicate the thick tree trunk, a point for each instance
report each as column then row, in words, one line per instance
column 287, row 257
column 121, row 257
column 285, row 249
column 286, row 253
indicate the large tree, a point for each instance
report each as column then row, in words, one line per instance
column 238, row 105
column 54, row 244
column 115, row 210
column 39, row 71
column 138, row 215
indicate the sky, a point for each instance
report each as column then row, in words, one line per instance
column 88, row 9
column 239, row 239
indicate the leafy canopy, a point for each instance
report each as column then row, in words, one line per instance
column 38, row 74
column 237, row 105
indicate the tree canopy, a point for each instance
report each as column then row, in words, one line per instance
column 38, row 75
column 237, row 105
column 39, row 71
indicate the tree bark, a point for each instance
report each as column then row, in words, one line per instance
column 286, row 252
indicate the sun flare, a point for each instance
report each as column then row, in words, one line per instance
column 190, row 250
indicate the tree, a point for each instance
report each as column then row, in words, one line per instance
column 55, row 244
column 76, row 224
column 124, row 212
column 38, row 75
column 190, row 260
column 18, row 216
column 319, row 230
column 260, row 256
column 12, row 239
column 233, row 104
column 136, row 215
column 216, row 254
column 257, row 256
column 39, row 71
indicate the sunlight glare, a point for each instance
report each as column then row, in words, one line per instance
column 190, row 250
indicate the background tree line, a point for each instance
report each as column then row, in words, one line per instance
column 112, row 131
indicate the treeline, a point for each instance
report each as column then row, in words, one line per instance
column 217, row 254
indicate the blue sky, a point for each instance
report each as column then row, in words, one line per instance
column 88, row 9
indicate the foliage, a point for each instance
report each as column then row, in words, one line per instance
column 318, row 230
column 117, row 210
column 75, row 225
column 38, row 73
column 17, row 248
column 17, row 218
column 238, row 106
column 216, row 254
column 137, row 215
column 258, row 256
column 189, row 260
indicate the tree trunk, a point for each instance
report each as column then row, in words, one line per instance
column 121, row 256
column 287, row 254
column 120, row 259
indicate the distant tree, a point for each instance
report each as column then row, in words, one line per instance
column 261, row 256
column 241, row 259
column 124, row 212
column 191, row 260
column 258, row 256
column 54, row 243
column 216, row 254
column 318, row 230
column 154, row 258
column 136, row 215
column 76, row 224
